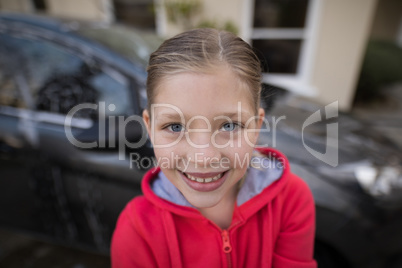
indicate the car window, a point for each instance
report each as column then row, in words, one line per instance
column 9, row 63
column 45, row 76
column 112, row 88
column 135, row 45
column 9, row 95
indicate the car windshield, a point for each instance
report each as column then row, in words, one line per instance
column 135, row 45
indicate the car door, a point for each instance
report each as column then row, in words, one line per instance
column 17, row 139
column 76, row 193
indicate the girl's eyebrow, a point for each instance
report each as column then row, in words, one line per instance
column 173, row 116
column 237, row 115
column 242, row 114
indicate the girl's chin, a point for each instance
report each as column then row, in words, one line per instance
column 203, row 202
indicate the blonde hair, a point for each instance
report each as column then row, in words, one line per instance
column 200, row 50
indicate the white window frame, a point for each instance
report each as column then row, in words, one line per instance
column 300, row 82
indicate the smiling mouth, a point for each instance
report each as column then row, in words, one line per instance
column 204, row 180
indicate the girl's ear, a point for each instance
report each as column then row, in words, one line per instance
column 261, row 115
column 147, row 121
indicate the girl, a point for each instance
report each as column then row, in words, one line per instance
column 214, row 200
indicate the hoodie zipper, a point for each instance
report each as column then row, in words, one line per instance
column 227, row 247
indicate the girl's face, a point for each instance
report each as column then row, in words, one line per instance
column 203, row 129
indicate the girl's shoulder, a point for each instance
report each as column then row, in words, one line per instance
column 140, row 215
column 139, row 205
column 296, row 188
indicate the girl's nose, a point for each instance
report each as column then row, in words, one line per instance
column 200, row 150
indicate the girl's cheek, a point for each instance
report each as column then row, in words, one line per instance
column 166, row 139
column 167, row 158
column 250, row 137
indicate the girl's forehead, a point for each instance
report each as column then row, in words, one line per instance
column 179, row 113
column 172, row 112
column 221, row 91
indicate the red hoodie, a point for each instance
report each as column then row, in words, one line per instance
column 274, row 228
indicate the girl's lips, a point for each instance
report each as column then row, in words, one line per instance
column 206, row 181
column 204, row 175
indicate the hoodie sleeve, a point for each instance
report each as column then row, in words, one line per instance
column 295, row 244
column 128, row 247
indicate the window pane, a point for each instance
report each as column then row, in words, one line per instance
column 9, row 94
column 37, row 61
column 278, row 56
column 11, row 79
column 56, row 79
column 280, row 13
column 113, row 89
column 40, row 5
column 138, row 13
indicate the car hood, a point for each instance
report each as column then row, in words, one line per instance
column 367, row 160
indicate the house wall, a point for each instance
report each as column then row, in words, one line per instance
column 98, row 10
column 233, row 11
column 16, row 6
column 342, row 37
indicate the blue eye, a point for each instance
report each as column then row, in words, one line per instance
column 175, row 127
column 229, row 126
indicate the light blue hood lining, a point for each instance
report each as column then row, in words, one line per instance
column 257, row 179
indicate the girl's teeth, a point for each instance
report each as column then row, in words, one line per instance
column 204, row 180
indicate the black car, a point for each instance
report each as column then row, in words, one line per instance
column 358, row 197
column 73, row 195
column 48, row 186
